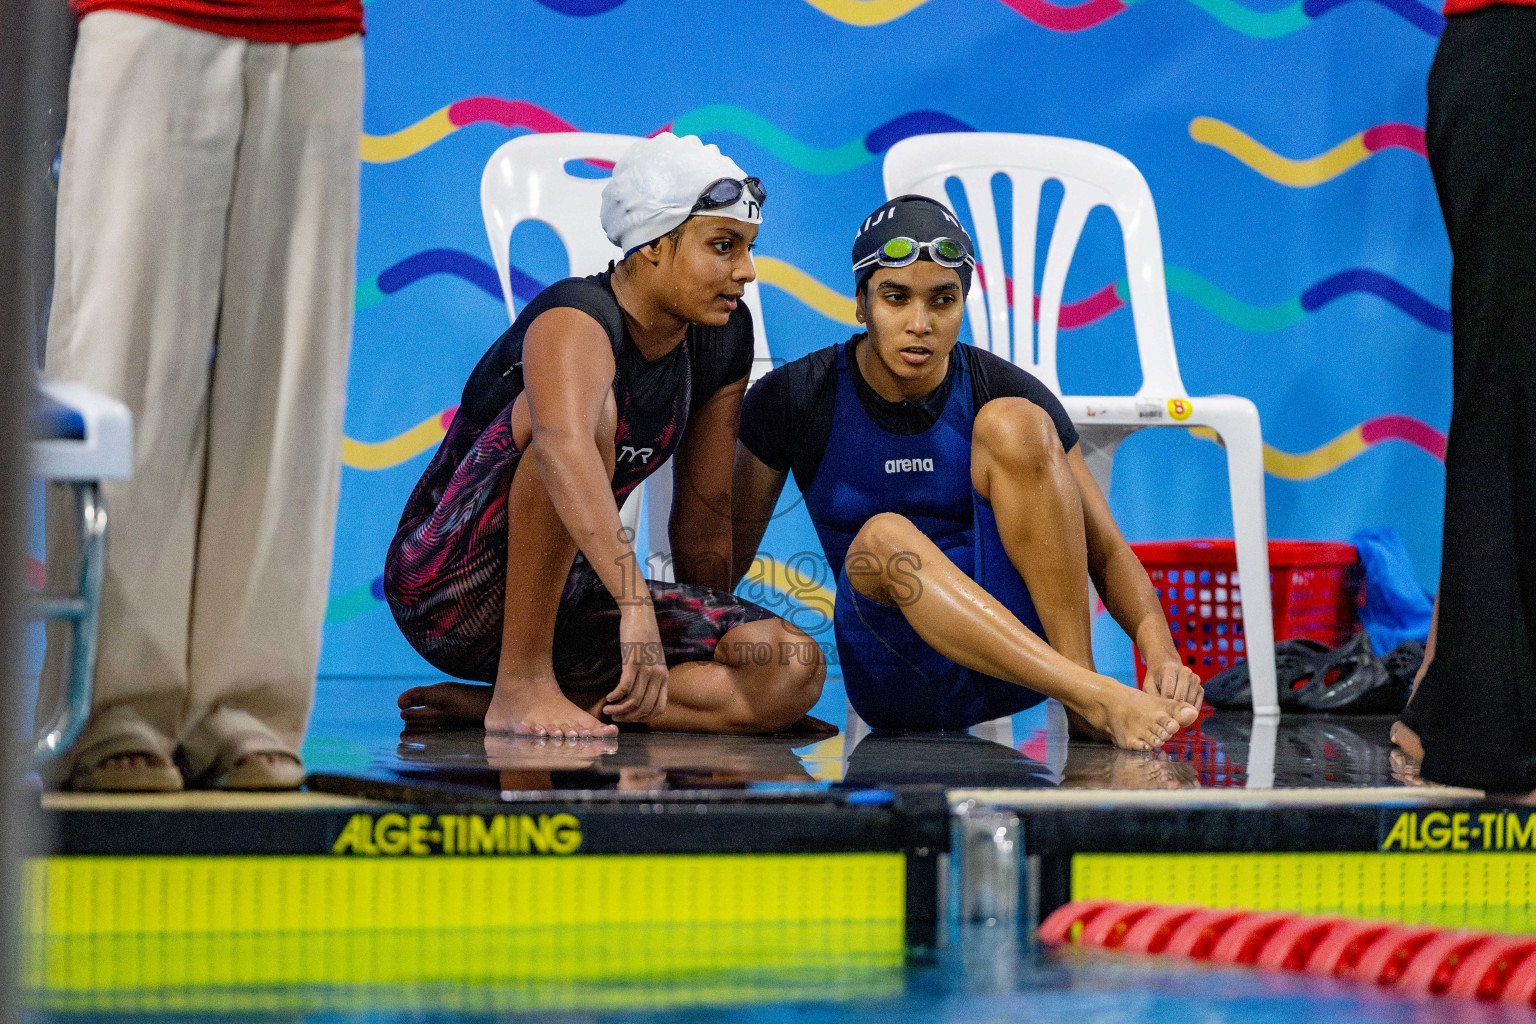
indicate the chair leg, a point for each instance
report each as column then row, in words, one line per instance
column 657, row 557
column 998, row 730
column 854, row 731
column 85, row 613
column 1098, row 445
column 1241, row 436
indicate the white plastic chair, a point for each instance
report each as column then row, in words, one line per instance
column 1093, row 176
column 526, row 179
column 79, row 438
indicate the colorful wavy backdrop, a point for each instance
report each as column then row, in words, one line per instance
column 1306, row 264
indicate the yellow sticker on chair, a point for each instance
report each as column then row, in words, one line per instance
column 1180, row 409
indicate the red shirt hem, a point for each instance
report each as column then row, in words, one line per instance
column 320, row 22
column 1468, row 6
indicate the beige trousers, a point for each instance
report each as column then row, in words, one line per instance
column 207, row 224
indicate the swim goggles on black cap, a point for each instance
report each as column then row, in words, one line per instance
column 724, row 192
column 902, row 251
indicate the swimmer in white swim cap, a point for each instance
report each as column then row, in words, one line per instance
column 511, row 566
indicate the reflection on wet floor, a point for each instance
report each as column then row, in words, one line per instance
column 1222, row 750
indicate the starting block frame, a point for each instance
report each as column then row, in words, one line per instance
column 79, row 438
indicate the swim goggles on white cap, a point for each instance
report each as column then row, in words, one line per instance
column 723, row 192
column 902, row 251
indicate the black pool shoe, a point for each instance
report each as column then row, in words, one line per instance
column 1352, row 680
column 1295, row 661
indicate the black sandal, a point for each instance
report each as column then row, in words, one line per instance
column 1352, row 680
column 1296, row 660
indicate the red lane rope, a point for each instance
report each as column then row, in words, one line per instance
column 1156, row 927
column 1418, row 959
column 1293, row 944
column 1487, row 970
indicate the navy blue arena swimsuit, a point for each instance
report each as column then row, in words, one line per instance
column 912, row 458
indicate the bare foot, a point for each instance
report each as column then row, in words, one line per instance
column 446, row 704
column 1406, row 740
column 506, row 752
column 1404, row 768
column 1133, row 719
column 535, row 710
column 812, row 727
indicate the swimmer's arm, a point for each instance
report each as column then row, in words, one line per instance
column 754, row 494
column 700, row 528
column 1123, row 585
column 568, row 378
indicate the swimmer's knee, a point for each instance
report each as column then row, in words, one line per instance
column 795, row 689
column 802, row 671
column 882, row 535
column 1016, row 434
column 789, row 685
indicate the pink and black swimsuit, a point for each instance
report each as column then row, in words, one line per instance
column 445, row 573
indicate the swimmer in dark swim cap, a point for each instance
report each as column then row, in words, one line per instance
column 954, row 508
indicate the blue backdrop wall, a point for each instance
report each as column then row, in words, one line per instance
column 1307, row 262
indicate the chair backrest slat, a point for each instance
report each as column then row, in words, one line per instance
column 1070, row 219
column 1026, row 214
column 977, row 186
column 1091, row 176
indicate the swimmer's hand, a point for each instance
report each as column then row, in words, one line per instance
column 1176, row 681
column 642, row 691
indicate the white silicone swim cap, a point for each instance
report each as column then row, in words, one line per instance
column 656, row 183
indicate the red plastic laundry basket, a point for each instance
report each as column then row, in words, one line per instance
column 1314, row 587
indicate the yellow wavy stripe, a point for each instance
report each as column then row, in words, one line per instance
column 1296, row 173
column 383, row 149
column 793, row 583
column 384, row 454
column 1307, row 465
column 803, row 286
column 865, row 12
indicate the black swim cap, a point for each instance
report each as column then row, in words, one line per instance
column 916, row 217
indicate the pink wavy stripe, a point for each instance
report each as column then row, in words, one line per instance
column 520, row 114
column 1073, row 314
column 1067, row 19
column 1086, row 311
column 1395, row 133
column 446, row 416
column 35, row 574
column 1404, row 428
column 507, row 113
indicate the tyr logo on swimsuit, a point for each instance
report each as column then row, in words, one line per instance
column 629, row 454
column 909, row 465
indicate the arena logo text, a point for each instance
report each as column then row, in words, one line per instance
column 909, row 465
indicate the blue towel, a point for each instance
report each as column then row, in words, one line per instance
column 1396, row 607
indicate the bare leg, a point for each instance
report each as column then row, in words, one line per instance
column 892, row 562
column 527, row 698
column 1019, row 467
column 765, row 677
